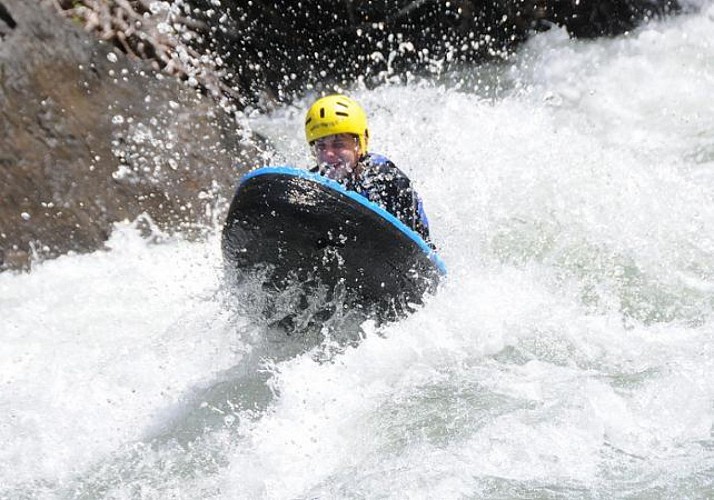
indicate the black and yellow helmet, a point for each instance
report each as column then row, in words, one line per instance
column 336, row 114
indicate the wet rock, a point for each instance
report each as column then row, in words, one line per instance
column 596, row 18
column 278, row 48
column 7, row 23
column 89, row 137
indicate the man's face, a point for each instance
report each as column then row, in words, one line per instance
column 337, row 155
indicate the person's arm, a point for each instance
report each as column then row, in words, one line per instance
column 403, row 201
column 421, row 223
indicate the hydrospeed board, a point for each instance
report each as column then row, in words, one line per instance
column 298, row 225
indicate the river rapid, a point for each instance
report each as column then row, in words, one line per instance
column 569, row 354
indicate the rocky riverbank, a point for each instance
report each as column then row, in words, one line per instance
column 89, row 137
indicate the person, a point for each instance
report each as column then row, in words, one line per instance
column 337, row 132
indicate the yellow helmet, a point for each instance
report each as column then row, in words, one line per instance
column 336, row 114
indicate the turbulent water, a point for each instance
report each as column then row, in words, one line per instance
column 569, row 354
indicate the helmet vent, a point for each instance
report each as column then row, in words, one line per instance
column 341, row 113
column 322, row 112
column 307, row 122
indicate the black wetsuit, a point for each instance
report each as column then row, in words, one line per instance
column 381, row 182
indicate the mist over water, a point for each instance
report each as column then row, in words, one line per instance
column 569, row 354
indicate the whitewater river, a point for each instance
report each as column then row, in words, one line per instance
column 570, row 353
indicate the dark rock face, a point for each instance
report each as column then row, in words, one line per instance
column 277, row 47
column 88, row 138
column 594, row 18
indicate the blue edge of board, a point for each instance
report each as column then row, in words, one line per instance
column 304, row 174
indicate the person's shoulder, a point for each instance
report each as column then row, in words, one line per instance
column 382, row 165
column 377, row 159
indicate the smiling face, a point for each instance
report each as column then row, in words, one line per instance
column 337, row 155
